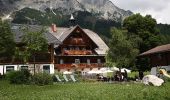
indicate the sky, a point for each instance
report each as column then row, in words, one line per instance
column 159, row 9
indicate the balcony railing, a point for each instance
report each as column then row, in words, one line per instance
column 77, row 52
column 78, row 66
column 77, row 41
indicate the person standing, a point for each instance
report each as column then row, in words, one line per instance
column 125, row 75
column 140, row 74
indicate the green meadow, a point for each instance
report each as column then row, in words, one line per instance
column 85, row 91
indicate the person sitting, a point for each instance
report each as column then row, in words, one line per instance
column 117, row 76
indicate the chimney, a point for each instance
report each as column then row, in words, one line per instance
column 53, row 28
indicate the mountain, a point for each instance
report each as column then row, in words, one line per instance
column 104, row 8
column 83, row 18
column 97, row 15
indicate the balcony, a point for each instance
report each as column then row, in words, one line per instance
column 77, row 41
column 78, row 66
column 77, row 52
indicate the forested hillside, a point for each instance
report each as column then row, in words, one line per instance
column 164, row 28
column 84, row 19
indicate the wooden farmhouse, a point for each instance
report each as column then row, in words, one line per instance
column 81, row 49
column 159, row 56
column 72, row 48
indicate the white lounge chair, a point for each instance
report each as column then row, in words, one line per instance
column 73, row 78
column 58, row 78
column 65, row 78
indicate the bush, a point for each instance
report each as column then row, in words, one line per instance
column 42, row 79
column 19, row 77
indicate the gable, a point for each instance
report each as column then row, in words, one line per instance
column 79, row 34
column 62, row 34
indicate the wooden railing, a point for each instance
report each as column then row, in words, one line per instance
column 77, row 52
column 78, row 66
column 77, row 41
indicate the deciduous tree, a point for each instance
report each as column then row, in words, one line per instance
column 123, row 50
column 35, row 42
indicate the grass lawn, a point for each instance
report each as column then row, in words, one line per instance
column 84, row 91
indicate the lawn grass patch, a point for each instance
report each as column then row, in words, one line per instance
column 84, row 91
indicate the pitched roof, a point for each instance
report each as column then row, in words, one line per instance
column 63, row 33
column 158, row 49
column 18, row 31
column 60, row 35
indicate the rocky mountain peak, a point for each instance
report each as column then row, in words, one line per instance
column 104, row 8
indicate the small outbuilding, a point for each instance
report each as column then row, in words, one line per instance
column 159, row 56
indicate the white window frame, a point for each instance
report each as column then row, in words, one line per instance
column 10, row 70
column 61, row 61
column 23, row 66
column 64, row 48
column 83, row 48
column 77, row 48
column 98, row 61
column 48, row 66
column 88, row 61
column 77, row 61
column 71, row 48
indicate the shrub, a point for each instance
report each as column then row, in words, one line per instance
column 19, row 77
column 42, row 79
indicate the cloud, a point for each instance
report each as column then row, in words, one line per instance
column 159, row 9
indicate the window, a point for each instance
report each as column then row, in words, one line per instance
column 71, row 48
column 77, row 61
column 77, row 48
column 84, row 48
column 24, row 67
column 61, row 61
column 88, row 61
column 46, row 68
column 9, row 68
column 98, row 61
column 159, row 56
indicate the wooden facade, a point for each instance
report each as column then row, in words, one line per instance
column 78, row 51
column 159, row 56
column 68, row 48
column 37, row 58
column 160, row 59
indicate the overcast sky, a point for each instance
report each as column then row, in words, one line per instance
column 159, row 9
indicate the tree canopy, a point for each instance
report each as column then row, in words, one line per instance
column 138, row 34
column 145, row 28
column 7, row 44
column 34, row 42
column 123, row 50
